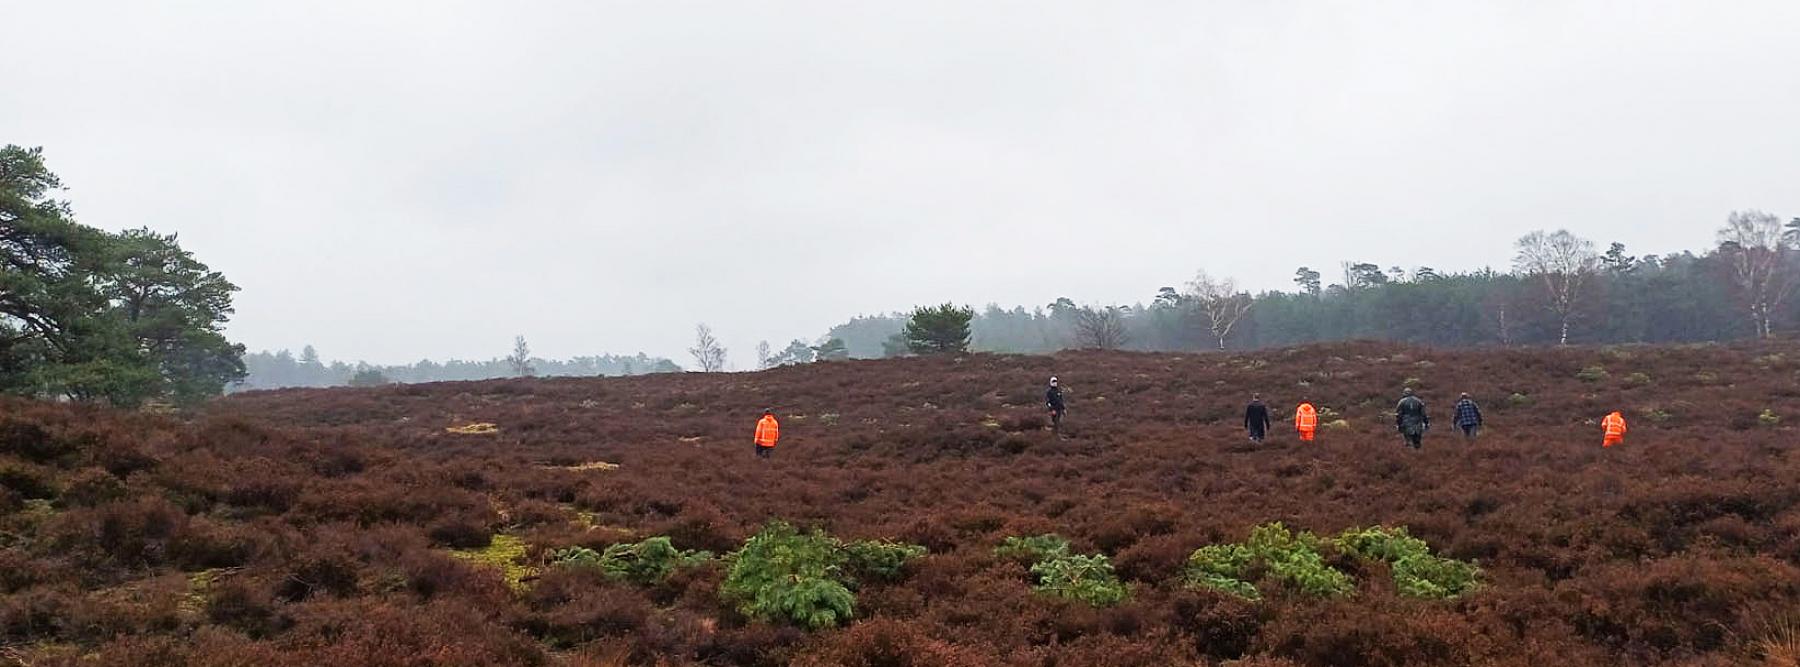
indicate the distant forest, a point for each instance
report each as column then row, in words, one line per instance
column 273, row 370
column 1560, row 289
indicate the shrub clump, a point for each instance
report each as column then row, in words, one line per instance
column 1064, row 574
column 1593, row 374
column 880, row 559
column 643, row 563
column 1298, row 560
column 1222, row 567
column 1088, row 579
column 1033, row 549
column 1417, row 573
column 807, row 578
column 1282, row 554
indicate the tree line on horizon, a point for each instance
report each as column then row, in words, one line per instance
column 1560, row 290
column 282, row 368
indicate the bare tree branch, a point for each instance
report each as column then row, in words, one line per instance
column 706, row 350
column 1564, row 262
column 1100, row 328
column 1220, row 302
column 1761, row 251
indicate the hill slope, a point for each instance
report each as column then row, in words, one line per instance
column 300, row 526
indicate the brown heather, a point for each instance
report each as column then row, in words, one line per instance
column 349, row 527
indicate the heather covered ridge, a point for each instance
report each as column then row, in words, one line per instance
column 607, row 521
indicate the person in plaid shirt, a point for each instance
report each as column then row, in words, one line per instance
column 1468, row 417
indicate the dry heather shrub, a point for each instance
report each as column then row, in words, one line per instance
column 577, row 616
column 92, row 486
column 1121, row 529
column 125, row 533
column 881, row 642
column 460, row 531
column 1219, row 625
column 18, row 570
column 1261, row 661
column 28, row 480
column 1367, row 635
column 703, row 527
column 31, row 441
column 1155, row 558
column 208, row 647
column 531, row 513
column 373, row 633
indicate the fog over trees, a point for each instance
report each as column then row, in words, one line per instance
column 273, row 370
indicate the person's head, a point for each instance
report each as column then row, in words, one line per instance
column 1304, row 400
column 1465, row 395
column 768, row 412
column 1406, row 392
column 1256, row 397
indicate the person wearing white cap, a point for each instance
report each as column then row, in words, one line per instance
column 1053, row 399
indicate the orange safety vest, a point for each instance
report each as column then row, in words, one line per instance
column 1306, row 418
column 767, row 431
column 1615, row 427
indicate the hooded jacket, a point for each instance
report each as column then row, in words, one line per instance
column 1410, row 417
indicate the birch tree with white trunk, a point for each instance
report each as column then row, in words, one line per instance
column 1221, row 304
column 1563, row 262
column 1761, row 254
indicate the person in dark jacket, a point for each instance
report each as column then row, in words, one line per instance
column 1468, row 416
column 1256, row 418
column 1053, row 400
column 1411, row 420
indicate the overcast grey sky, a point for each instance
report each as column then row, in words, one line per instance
column 397, row 180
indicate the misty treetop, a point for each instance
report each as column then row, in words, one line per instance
column 87, row 314
column 1562, row 289
column 275, row 370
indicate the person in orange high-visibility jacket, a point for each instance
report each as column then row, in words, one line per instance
column 1615, row 429
column 1306, row 420
column 768, row 431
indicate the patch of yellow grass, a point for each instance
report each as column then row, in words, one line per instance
column 591, row 521
column 478, row 428
column 199, row 585
column 505, row 554
column 580, row 467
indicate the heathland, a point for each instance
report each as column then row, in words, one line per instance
column 516, row 522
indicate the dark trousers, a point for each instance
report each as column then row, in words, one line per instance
column 1257, row 431
column 764, row 452
column 1056, row 420
column 1414, row 439
column 1470, row 430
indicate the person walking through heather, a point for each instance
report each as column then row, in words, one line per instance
column 1411, row 420
column 1256, row 418
column 1468, row 416
column 1306, row 420
column 768, row 431
column 1053, row 401
column 1614, row 425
